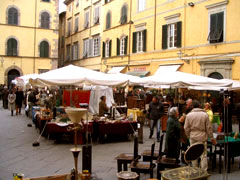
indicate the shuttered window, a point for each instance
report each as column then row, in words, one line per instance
column 13, row 16
column 76, row 24
column 108, row 48
column 139, row 41
column 96, row 15
column 68, row 52
column 122, row 46
column 69, row 27
column 45, row 20
column 96, row 46
column 123, row 18
column 171, row 35
column 85, row 48
column 216, row 28
column 86, row 19
column 75, row 51
column 12, row 47
column 44, row 49
column 108, row 20
column 141, row 5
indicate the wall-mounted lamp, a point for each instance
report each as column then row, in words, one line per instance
column 2, row 61
column 181, row 55
column 191, row 4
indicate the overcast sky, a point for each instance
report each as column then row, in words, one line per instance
column 62, row 7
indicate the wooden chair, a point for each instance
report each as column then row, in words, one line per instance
column 165, row 162
column 142, row 166
column 124, row 159
column 146, row 154
column 211, row 155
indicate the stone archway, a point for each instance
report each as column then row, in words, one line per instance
column 215, row 75
column 11, row 73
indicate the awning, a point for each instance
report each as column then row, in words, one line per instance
column 116, row 70
column 167, row 68
column 138, row 73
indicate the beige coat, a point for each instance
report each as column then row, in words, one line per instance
column 11, row 101
column 197, row 125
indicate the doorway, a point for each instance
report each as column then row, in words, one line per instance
column 12, row 74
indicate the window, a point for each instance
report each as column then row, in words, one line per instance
column 122, row 46
column 45, row 20
column 13, row 16
column 108, row 47
column 69, row 27
column 123, row 19
column 12, row 47
column 141, row 5
column 46, row 0
column 107, row 1
column 96, row 46
column 62, row 41
column 85, row 48
column 96, row 14
column 108, row 20
column 139, row 41
column 86, row 20
column 75, row 51
column 77, row 3
column 44, row 49
column 216, row 28
column 76, row 24
column 171, row 35
column 68, row 52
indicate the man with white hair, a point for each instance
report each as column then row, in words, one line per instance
column 198, row 128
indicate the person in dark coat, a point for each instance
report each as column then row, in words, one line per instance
column 155, row 113
column 5, row 97
column 173, row 134
column 19, row 100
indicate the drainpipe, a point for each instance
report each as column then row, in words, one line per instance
column 155, row 21
column 130, row 33
column 34, row 47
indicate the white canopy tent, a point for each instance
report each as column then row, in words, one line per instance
column 180, row 79
column 23, row 81
column 74, row 75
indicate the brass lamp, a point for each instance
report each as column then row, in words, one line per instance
column 75, row 115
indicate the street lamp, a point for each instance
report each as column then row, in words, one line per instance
column 2, row 61
column 181, row 56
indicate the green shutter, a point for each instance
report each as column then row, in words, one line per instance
column 164, row 36
column 118, row 46
column 220, row 24
column 134, row 42
column 9, row 47
column 41, row 50
column 103, row 49
column 110, row 48
column 126, row 45
column 144, row 40
column 15, row 18
column 46, row 50
column 179, row 34
column 213, row 22
column 14, row 47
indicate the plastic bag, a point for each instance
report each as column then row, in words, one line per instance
column 27, row 108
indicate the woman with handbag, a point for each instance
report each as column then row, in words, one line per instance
column 11, row 101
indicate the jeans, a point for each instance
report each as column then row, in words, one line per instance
column 203, row 157
column 152, row 125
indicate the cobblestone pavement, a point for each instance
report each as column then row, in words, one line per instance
column 18, row 155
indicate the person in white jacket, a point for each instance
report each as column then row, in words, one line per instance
column 198, row 128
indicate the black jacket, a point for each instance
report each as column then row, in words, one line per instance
column 155, row 110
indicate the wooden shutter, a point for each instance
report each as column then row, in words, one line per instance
column 14, row 47
column 9, row 48
column 110, row 48
column 47, row 20
column 220, row 25
column 118, row 46
column 125, row 45
column 179, row 34
column 15, row 17
column 134, row 47
column 103, row 49
column 90, row 50
column 99, row 45
column 144, row 40
column 10, row 16
column 164, row 36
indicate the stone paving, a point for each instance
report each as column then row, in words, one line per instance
column 18, row 155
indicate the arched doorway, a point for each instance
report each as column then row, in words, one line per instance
column 12, row 74
column 215, row 75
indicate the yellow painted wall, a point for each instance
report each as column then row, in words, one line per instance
column 25, row 32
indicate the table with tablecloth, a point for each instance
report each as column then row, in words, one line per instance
column 233, row 145
column 58, row 129
column 120, row 128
